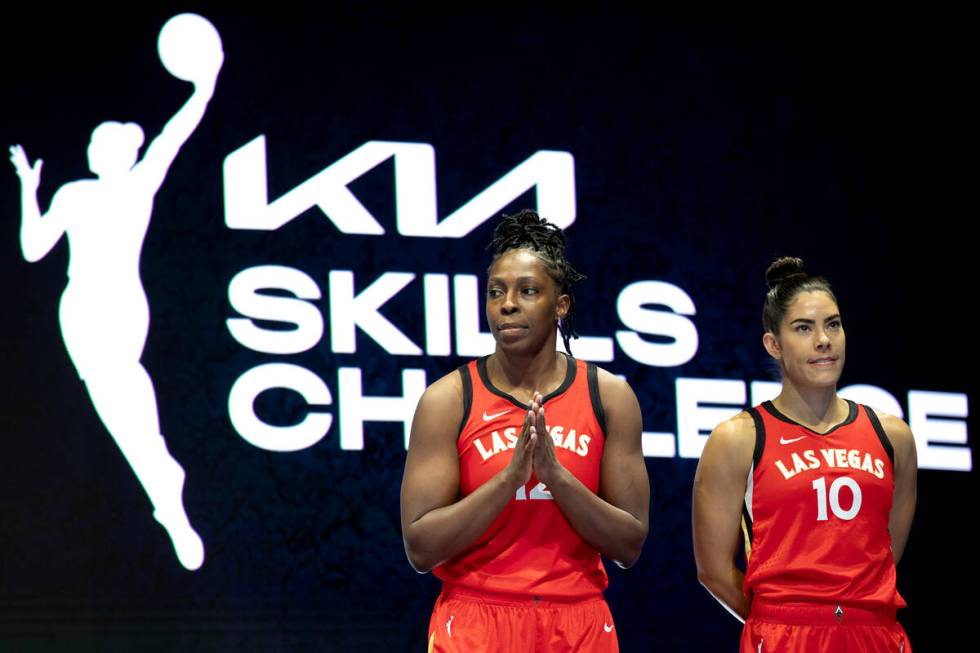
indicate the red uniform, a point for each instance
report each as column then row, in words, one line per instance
column 820, row 575
column 530, row 582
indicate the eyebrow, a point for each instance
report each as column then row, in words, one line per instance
column 498, row 279
column 806, row 320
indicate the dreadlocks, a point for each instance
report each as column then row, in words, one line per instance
column 528, row 230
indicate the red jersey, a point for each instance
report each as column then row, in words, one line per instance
column 816, row 512
column 530, row 548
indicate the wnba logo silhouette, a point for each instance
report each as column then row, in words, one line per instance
column 104, row 312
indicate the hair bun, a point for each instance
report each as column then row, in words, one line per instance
column 782, row 269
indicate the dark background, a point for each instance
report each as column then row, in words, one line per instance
column 702, row 148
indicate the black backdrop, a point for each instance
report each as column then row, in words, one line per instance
column 702, row 148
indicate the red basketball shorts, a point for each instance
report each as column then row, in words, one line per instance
column 820, row 628
column 464, row 621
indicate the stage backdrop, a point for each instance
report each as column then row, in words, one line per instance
column 301, row 250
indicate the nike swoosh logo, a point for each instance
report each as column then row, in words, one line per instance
column 487, row 418
column 608, row 628
column 785, row 441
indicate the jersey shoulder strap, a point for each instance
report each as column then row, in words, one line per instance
column 467, row 381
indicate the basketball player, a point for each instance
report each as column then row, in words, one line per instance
column 104, row 311
column 824, row 488
column 523, row 468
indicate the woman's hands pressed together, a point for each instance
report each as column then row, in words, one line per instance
column 546, row 465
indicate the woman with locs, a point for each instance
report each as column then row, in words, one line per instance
column 524, row 467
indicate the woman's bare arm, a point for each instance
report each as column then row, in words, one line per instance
column 719, row 492
column 616, row 521
column 436, row 523
column 906, row 468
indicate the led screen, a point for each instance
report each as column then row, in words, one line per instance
column 257, row 238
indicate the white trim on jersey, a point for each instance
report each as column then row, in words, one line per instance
column 748, row 492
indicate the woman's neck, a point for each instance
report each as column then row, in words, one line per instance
column 816, row 408
column 522, row 376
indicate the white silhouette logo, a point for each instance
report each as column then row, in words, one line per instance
column 487, row 418
column 608, row 627
column 104, row 312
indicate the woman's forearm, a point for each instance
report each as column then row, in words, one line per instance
column 442, row 533
column 727, row 590
column 612, row 531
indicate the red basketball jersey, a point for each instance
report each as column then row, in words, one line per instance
column 816, row 512
column 530, row 548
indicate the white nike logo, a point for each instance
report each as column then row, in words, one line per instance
column 449, row 625
column 608, row 628
column 487, row 418
column 785, row 441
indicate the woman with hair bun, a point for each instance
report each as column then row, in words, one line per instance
column 824, row 490
column 523, row 468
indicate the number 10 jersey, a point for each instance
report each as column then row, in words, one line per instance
column 816, row 512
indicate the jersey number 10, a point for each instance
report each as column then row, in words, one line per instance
column 820, row 485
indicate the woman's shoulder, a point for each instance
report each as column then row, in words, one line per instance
column 733, row 440
column 611, row 385
column 736, row 429
column 440, row 408
column 896, row 430
column 615, row 393
column 448, row 387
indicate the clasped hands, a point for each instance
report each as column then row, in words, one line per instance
column 535, row 450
